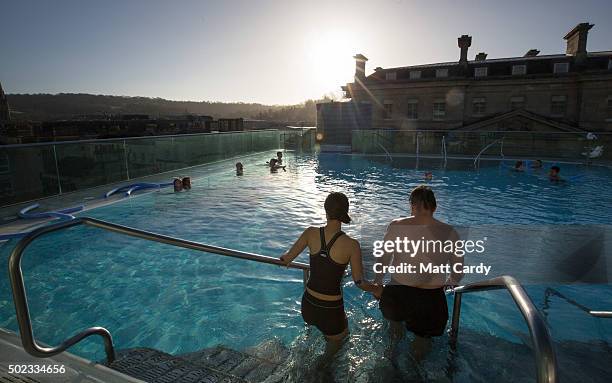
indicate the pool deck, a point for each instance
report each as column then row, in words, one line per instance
column 77, row 369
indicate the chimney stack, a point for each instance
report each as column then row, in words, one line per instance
column 532, row 53
column 360, row 61
column 464, row 43
column 481, row 56
column 577, row 42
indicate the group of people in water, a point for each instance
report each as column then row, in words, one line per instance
column 553, row 172
column 522, row 166
column 274, row 164
column 181, row 183
column 416, row 303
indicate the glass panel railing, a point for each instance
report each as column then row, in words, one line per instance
column 301, row 139
column 85, row 165
column 29, row 172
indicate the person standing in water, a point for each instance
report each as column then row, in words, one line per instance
column 417, row 300
column 322, row 303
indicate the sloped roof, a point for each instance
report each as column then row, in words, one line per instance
column 556, row 124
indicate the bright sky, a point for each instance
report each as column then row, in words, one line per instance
column 273, row 52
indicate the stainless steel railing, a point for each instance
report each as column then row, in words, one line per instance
column 595, row 313
column 546, row 363
column 21, row 301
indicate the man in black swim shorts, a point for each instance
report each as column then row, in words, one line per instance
column 416, row 301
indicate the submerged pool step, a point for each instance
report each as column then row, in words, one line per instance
column 212, row 365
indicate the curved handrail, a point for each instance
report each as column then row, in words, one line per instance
column 477, row 158
column 546, row 363
column 389, row 158
column 444, row 149
column 21, row 301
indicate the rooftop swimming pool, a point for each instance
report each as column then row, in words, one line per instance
column 153, row 295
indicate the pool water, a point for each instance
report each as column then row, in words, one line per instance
column 178, row 301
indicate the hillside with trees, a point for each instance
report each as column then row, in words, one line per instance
column 45, row 107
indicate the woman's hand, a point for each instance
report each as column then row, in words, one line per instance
column 377, row 292
column 285, row 259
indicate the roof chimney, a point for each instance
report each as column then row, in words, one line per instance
column 532, row 53
column 481, row 56
column 360, row 61
column 464, row 42
column 577, row 41
column 377, row 69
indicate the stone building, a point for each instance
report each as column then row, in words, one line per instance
column 567, row 92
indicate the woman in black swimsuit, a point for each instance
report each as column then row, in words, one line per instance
column 322, row 304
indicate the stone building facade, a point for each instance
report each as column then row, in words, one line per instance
column 563, row 92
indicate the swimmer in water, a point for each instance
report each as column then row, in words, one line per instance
column 178, row 184
column 239, row 168
column 428, row 176
column 537, row 164
column 186, row 181
column 279, row 157
column 553, row 174
column 519, row 166
column 274, row 166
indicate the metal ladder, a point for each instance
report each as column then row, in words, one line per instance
column 546, row 363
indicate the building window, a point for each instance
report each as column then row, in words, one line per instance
column 480, row 71
column 413, row 109
column 391, row 76
column 439, row 110
column 517, row 102
column 479, row 106
column 518, row 70
column 561, row 68
column 415, row 74
column 442, row 72
column 388, row 110
column 558, row 105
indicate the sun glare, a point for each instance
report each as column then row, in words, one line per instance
column 331, row 59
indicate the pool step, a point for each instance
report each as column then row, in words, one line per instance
column 211, row 365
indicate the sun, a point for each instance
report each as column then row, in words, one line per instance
column 331, row 60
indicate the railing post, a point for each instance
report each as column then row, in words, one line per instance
column 125, row 155
column 454, row 330
column 57, row 173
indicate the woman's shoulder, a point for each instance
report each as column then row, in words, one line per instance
column 348, row 241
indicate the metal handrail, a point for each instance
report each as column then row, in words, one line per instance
column 546, row 363
column 21, row 302
column 595, row 313
column 477, row 158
